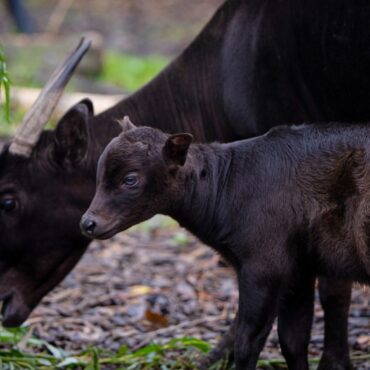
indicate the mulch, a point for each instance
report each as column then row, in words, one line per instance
column 156, row 282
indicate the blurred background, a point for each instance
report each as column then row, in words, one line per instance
column 132, row 41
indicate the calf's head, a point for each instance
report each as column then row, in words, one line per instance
column 138, row 176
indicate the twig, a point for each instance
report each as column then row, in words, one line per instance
column 58, row 15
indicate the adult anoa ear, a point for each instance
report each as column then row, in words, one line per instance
column 72, row 133
column 176, row 148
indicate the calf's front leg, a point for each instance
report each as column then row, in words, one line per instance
column 258, row 301
column 294, row 325
column 295, row 320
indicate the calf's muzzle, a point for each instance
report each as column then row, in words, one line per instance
column 87, row 226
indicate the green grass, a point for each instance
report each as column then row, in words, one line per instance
column 20, row 351
column 177, row 354
column 129, row 71
column 8, row 127
column 125, row 71
column 4, row 87
column 154, row 223
column 25, row 66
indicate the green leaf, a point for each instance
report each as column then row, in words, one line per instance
column 190, row 342
column 69, row 361
column 122, row 351
column 153, row 347
column 5, row 83
column 181, row 238
column 44, row 362
column 56, row 352
column 137, row 70
column 12, row 335
column 94, row 365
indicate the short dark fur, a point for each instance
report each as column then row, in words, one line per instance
column 281, row 207
column 256, row 64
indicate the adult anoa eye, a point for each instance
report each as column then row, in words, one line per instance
column 8, row 204
column 131, row 179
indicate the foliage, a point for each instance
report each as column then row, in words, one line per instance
column 8, row 127
column 21, row 351
column 129, row 71
column 40, row 355
column 125, row 71
column 4, row 83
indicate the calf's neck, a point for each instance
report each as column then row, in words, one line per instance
column 279, row 206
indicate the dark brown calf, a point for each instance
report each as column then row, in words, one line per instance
column 280, row 208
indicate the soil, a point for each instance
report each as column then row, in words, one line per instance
column 157, row 282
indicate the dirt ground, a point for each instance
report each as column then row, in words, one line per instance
column 157, row 282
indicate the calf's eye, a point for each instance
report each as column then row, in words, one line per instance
column 8, row 204
column 131, row 179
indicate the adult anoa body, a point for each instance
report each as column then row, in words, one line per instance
column 255, row 65
column 276, row 206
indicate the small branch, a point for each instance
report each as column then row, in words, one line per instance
column 58, row 15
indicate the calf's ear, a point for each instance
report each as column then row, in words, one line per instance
column 176, row 148
column 72, row 133
column 126, row 124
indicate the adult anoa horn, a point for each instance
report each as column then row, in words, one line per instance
column 36, row 118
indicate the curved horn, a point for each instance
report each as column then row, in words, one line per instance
column 29, row 131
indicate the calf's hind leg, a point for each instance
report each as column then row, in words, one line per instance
column 335, row 297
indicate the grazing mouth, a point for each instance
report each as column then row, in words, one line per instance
column 14, row 311
column 6, row 301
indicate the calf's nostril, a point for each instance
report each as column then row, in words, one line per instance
column 88, row 226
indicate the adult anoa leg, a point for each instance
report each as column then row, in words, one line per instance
column 335, row 297
column 295, row 320
column 224, row 350
column 258, row 301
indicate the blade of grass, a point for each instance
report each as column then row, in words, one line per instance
column 177, row 354
column 5, row 83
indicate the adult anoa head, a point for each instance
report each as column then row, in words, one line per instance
column 40, row 184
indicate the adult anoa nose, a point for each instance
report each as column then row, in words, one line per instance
column 87, row 226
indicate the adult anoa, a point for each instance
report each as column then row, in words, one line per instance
column 276, row 206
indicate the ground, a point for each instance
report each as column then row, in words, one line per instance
column 106, row 300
